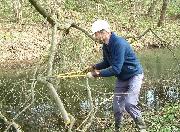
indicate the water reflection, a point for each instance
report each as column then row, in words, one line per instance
column 173, row 93
column 150, row 99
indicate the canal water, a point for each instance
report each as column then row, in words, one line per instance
column 161, row 86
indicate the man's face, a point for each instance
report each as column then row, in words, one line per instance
column 100, row 36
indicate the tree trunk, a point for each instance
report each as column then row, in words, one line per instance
column 151, row 8
column 163, row 12
column 132, row 14
column 17, row 8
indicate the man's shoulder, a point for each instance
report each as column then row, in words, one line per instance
column 121, row 41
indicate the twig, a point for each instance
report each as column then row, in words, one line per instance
column 92, row 112
column 91, row 115
column 12, row 122
column 33, row 84
column 15, row 125
column 134, row 39
column 72, row 123
column 110, row 93
column 84, row 31
column 89, row 94
column 166, row 46
column 90, row 120
column 85, row 120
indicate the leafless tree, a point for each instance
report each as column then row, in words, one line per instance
column 17, row 8
column 151, row 8
column 163, row 12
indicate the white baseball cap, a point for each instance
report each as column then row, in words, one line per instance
column 100, row 25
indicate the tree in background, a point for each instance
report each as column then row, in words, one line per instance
column 163, row 13
column 17, row 9
column 151, row 8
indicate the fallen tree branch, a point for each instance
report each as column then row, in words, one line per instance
column 68, row 119
column 49, row 73
column 42, row 12
column 134, row 39
column 52, row 21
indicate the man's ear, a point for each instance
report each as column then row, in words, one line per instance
column 96, row 47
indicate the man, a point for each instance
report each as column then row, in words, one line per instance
column 119, row 60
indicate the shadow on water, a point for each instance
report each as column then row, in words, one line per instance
column 161, row 86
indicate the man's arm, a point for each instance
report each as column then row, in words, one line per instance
column 117, row 61
column 104, row 64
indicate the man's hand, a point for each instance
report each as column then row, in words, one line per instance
column 90, row 68
column 93, row 74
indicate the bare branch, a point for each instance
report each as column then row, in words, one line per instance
column 83, row 30
column 163, row 12
column 166, row 45
column 138, row 37
column 42, row 12
column 89, row 94
column 14, row 125
column 52, row 50
column 52, row 22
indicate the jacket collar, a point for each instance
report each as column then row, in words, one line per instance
column 112, row 38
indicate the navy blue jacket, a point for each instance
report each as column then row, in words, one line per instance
column 119, row 59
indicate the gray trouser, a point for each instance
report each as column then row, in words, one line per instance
column 126, row 94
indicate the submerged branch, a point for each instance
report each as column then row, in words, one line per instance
column 68, row 121
column 10, row 124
